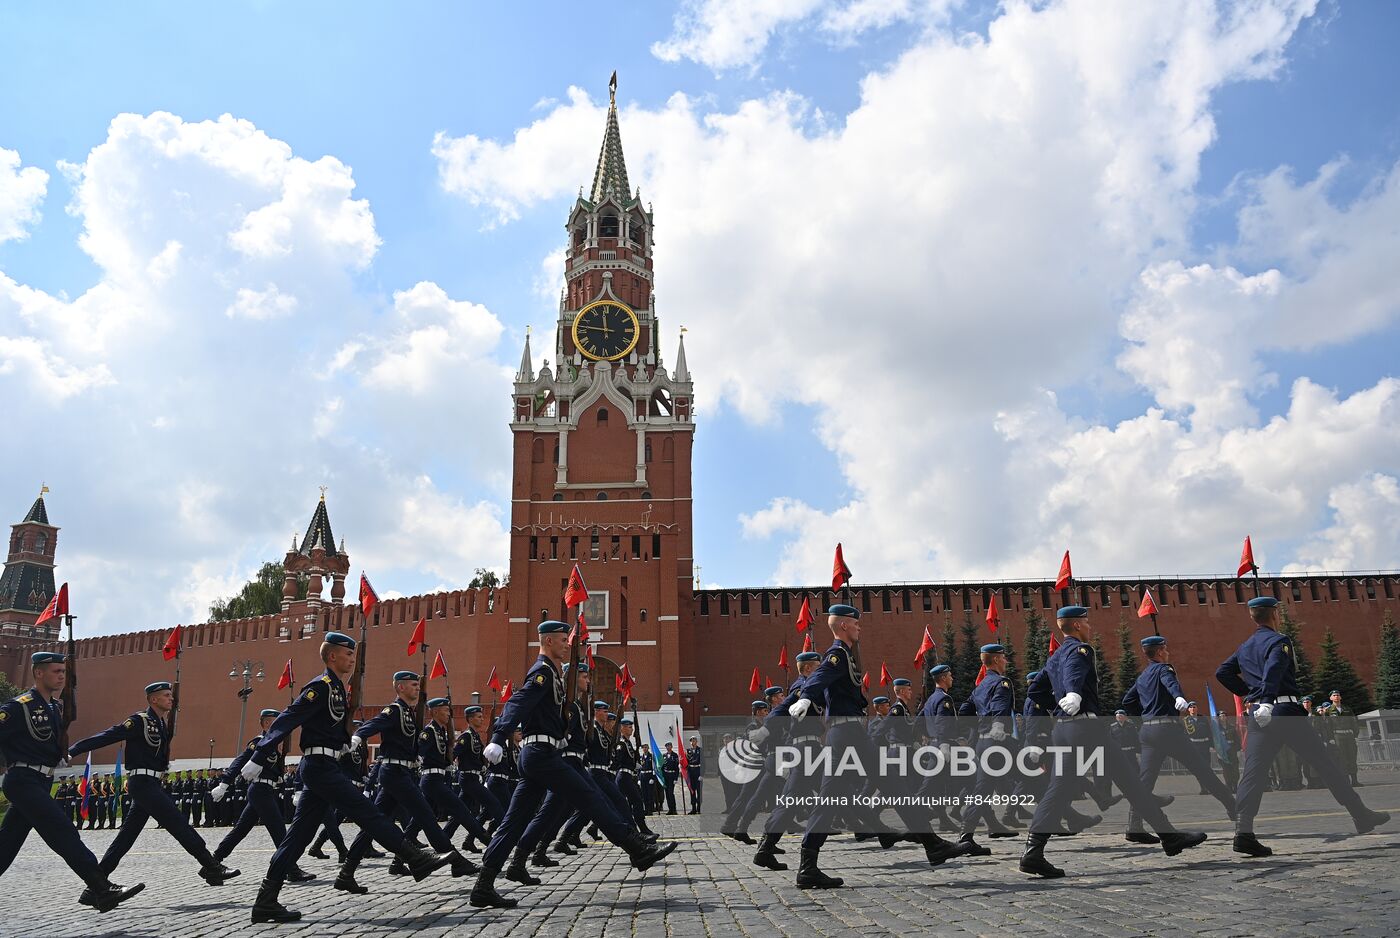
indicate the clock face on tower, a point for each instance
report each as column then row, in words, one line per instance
column 606, row 330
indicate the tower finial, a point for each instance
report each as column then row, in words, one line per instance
column 323, row 493
column 43, row 490
column 612, row 88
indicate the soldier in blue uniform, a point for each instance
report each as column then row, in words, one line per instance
column 537, row 708
column 695, row 762
column 1071, row 679
column 597, row 759
column 262, row 805
column 556, row 809
column 1262, row 672
column 502, row 777
column 735, row 825
column 352, row 763
column 467, row 753
column 1157, row 697
column 319, row 711
column 31, row 741
column 147, row 738
column 994, row 702
column 397, row 728
column 624, row 765
column 434, row 748
column 804, row 735
column 835, row 687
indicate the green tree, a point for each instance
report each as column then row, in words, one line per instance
column 969, row 660
column 1037, row 641
column 8, row 691
column 1335, row 672
column 948, row 649
column 260, row 596
column 1110, row 697
column 1013, row 673
column 484, row 579
column 1302, row 664
column 1388, row 667
column 1127, row 656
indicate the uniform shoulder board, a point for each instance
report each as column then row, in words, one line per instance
column 130, row 722
column 325, row 679
column 1170, row 668
column 25, row 697
column 1083, row 649
column 386, row 710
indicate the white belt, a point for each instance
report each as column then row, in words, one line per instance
column 325, row 751
column 806, row 739
column 405, row 763
column 434, row 771
column 1081, row 716
column 262, row 781
column 547, row 740
column 631, row 772
column 837, row 721
column 1279, row 700
column 570, row 754
column 45, row 770
column 1347, row 732
column 151, row 772
column 602, row 767
column 501, row 775
column 1155, row 720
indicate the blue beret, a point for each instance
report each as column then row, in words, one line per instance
column 600, row 705
column 440, row 702
column 471, row 711
column 1071, row 612
column 1153, row 641
column 993, row 649
column 406, row 675
column 626, row 721
column 339, row 638
column 1031, row 676
column 880, row 700
column 1263, row 602
column 157, row 687
column 938, row 669
column 903, row 682
column 772, row 690
column 551, row 626
column 807, row 656
column 759, row 705
column 46, row 657
column 269, row 712
column 1116, row 712
column 841, row 609
column 611, row 715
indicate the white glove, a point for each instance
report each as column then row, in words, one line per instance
column 250, row 770
column 493, row 753
column 758, row 735
column 63, row 762
column 218, row 791
column 1181, row 705
column 357, row 743
column 1069, row 703
column 1033, row 752
column 799, row 709
column 946, row 749
column 997, row 732
column 296, row 798
column 1263, row 714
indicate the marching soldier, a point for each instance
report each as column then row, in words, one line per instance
column 737, row 808
column 502, row 777
column 1198, row 731
column 1262, row 672
column 1157, row 697
column 805, row 735
column 147, row 738
column 31, row 734
column 434, row 756
column 994, row 703
column 624, row 765
column 352, row 763
column 537, row 708
column 262, row 805
column 397, row 728
column 1071, row 680
column 598, row 756
column 1345, row 728
column 466, row 752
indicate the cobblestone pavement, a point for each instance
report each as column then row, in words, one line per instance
column 1322, row 880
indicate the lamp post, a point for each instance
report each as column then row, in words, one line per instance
column 211, row 752
column 248, row 670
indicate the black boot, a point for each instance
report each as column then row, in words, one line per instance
column 1173, row 842
column 1141, row 837
column 1010, row 818
column 318, row 853
column 741, row 836
column 1076, row 822
column 1365, row 823
column 421, row 863
column 299, row 875
column 563, row 848
column 1164, row 800
column 972, row 848
column 484, row 894
column 1249, row 845
column 997, row 829
column 593, row 831
column 398, row 868
column 767, row 856
column 518, row 872
column 939, row 850
column 543, row 859
column 268, row 909
column 108, row 897
column 345, row 882
column 461, row 866
column 469, row 845
column 1033, row 860
column 646, row 855
column 216, row 874
column 809, row 876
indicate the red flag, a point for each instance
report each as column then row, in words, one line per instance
column 579, row 632
column 840, row 573
column 285, row 681
column 992, row 618
column 588, row 655
column 58, row 606
column 1148, row 607
column 925, row 647
column 767, row 682
column 885, row 678
column 418, row 637
column 625, row 682
column 754, row 686
column 804, row 615
column 494, row 682
column 1062, row 581
column 1054, row 643
column 865, row 680
column 171, row 649
column 439, row 667
column 575, row 593
column 807, row 642
column 981, row 673
column 685, row 762
column 783, row 658
column 1246, row 559
column 505, row 692
column 368, row 597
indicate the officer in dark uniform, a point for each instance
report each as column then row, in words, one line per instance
column 671, row 772
column 804, row 735
column 31, row 742
column 502, row 777
column 1072, row 681
column 1262, row 672
column 994, row 702
column 467, row 753
column 198, row 789
column 695, row 760
column 737, row 808
column 434, row 753
column 598, row 758
column 352, row 763
column 1230, row 758
column 1345, row 729
column 624, row 766
column 1157, row 697
column 556, row 810
column 319, row 711
column 262, row 805
column 397, row 728
column 537, row 708
column 98, row 805
column 147, row 738
column 938, row 723
column 1198, row 731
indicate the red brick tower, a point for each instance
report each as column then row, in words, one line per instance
column 27, row 584
column 603, row 447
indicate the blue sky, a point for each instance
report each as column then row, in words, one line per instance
column 813, row 432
